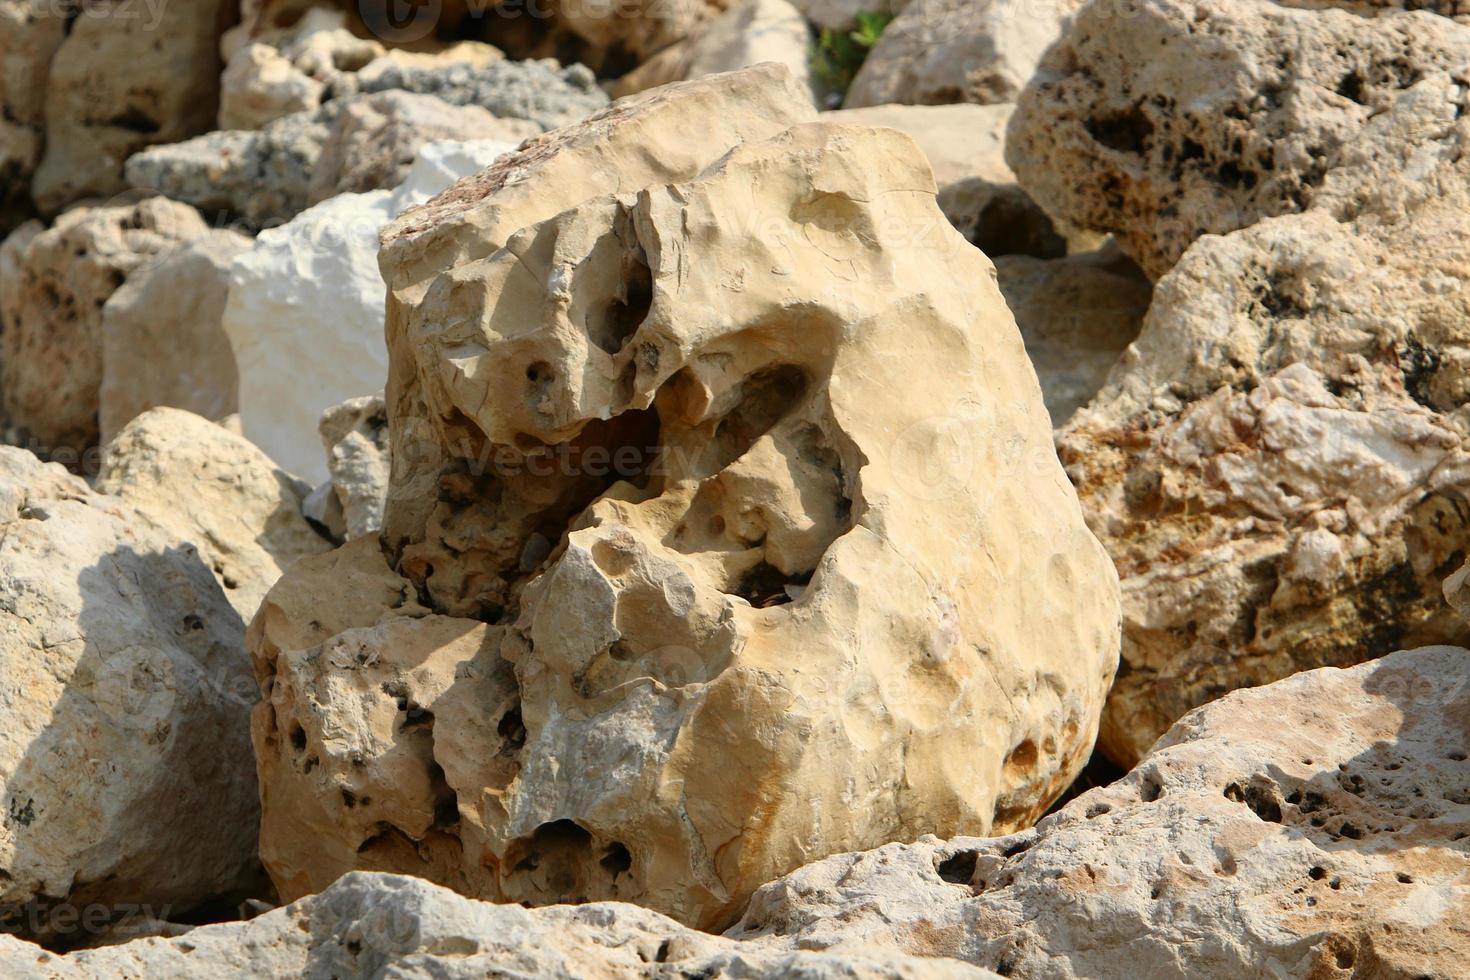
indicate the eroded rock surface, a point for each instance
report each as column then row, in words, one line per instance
column 30, row 33
column 1162, row 120
column 355, row 436
column 124, row 753
column 1316, row 827
column 635, row 467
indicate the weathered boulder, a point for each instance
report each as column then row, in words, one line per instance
column 644, row 446
column 373, row 139
column 30, row 33
column 1162, row 120
column 368, row 925
column 941, row 51
column 203, row 483
column 304, row 314
column 1311, row 828
column 127, row 75
column 275, row 74
column 57, row 282
column 1077, row 315
column 163, row 343
column 124, row 756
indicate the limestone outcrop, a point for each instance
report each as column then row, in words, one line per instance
column 204, row 484
column 124, row 754
column 126, row 76
column 653, row 435
column 304, row 314
column 163, row 341
column 943, row 51
column 54, row 283
column 1311, row 828
column 1162, row 120
column 369, row 925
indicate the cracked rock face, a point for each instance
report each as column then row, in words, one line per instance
column 1160, row 121
column 1263, row 836
column 665, row 604
column 1279, row 464
column 124, row 767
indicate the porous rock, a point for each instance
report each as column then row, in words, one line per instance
column 368, row 925
column 205, row 484
column 1161, row 120
column 1077, row 315
column 633, row 469
column 543, row 91
column 942, row 51
column 1315, row 827
column 125, row 754
column 57, row 281
column 127, row 75
column 1278, row 466
column 30, row 33
column 163, row 343
column 304, row 314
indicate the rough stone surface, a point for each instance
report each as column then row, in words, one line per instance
column 56, row 283
column 29, row 36
column 205, row 484
column 941, row 51
column 374, row 925
column 355, row 435
column 263, row 82
column 1279, row 465
column 305, row 309
column 1077, row 315
column 635, row 465
column 1312, row 828
column 163, row 343
column 124, row 756
column 611, row 39
column 1162, row 120
column 961, row 140
column 127, row 75
column 541, row 91
column 374, row 139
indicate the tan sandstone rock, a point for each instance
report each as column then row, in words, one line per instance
column 371, row 925
column 659, row 498
column 58, row 280
column 127, row 76
column 1077, row 315
column 1312, row 828
column 355, row 436
column 1162, row 120
column 205, row 484
column 163, row 342
column 942, row 51
column 1279, row 465
column 124, row 753
column 961, row 140
column 30, row 33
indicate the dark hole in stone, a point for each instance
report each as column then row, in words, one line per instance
column 958, row 869
column 1126, row 132
column 615, row 859
column 512, row 731
column 765, row 586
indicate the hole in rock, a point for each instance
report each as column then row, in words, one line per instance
column 1126, row 132
column 765, row 586
column 614, row 325
column 512, row 731
column 958, row 869
column 553, row 858
column 766, row 397
column 615, row 859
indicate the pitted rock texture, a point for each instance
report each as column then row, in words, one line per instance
column 371, row 925
column 163, row 342
column 55, row 284
column 540, row 91
column 126, row 76
column 656, row 501
column 1162, row 120
column 207, row 485
column 1317, row 827
column 1077, row 315
column 1279, row 465
column 938, row 52
column 124, row 753
column 304, row 314
column 30, row 33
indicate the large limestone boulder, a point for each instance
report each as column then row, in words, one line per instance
column 163, row 343
column 1162, row 120
column 1078, row 315
column 127, row 76
column 1312, row 828
column 371, row 925
column 30, row 33
column 304, row 314
column 56, row 283
column 124, row 754
column 656, row 500
column 941, row 51
column 205, row 484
